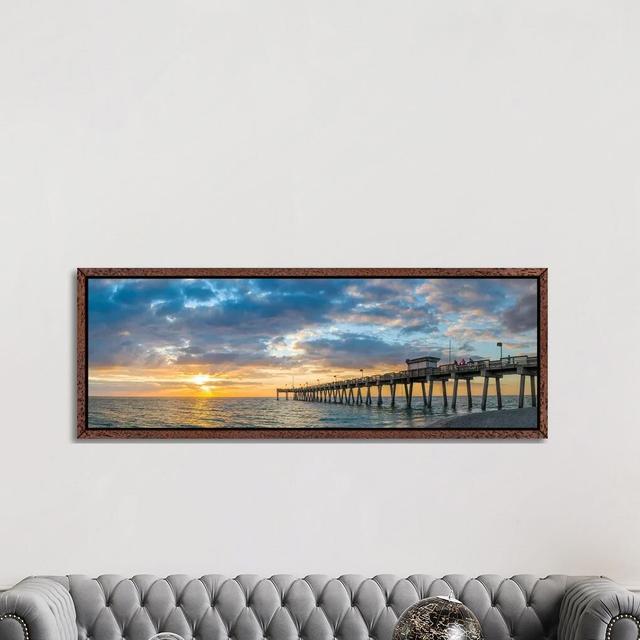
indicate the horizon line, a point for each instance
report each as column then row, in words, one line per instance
column 504, row 395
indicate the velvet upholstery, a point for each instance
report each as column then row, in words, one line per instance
column 317, row 607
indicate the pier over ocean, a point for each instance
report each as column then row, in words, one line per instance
column 424, row 371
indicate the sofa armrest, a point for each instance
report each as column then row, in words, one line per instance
column 37, row 609
column 599, row 609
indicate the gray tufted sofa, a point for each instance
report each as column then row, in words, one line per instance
column 317, row 607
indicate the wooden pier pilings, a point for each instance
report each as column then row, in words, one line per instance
column 358, row 391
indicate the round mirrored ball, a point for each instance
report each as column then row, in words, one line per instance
column 438, row 618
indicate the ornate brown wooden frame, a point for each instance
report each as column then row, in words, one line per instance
column 84, row 432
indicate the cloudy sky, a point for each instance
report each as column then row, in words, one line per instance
column 245, row 337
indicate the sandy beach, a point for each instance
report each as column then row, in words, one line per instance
column 526, row 418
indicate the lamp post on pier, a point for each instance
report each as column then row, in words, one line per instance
column 499, row 344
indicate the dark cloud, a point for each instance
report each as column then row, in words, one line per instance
column 523, row 316
column 353, row 350
column 420, row 328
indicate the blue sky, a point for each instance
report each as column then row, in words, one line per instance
column 245, row 336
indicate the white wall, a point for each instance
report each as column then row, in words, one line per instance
column 329, row 133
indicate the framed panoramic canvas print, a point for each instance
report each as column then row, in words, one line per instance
column 312, row 353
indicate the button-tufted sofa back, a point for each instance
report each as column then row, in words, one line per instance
column 317, row 607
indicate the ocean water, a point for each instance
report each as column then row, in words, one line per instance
column 269, row 413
